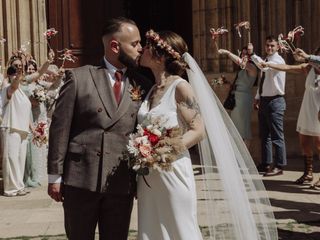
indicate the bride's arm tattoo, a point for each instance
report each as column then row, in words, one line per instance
column 192, row 105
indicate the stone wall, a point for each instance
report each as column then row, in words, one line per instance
column 266, row 17
column 23, row 21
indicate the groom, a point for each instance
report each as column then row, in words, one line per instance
column 94, row 115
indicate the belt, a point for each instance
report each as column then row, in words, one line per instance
column 268, row 98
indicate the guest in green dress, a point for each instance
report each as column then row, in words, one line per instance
column 244, row 82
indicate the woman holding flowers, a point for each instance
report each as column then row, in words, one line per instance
column 172, row 103
column 308, row 124
column 242, row 89
column 48, row 79
column 175, row 116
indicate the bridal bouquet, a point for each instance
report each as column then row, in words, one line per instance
column 154, row 146
column 40, row 134
column 39, row 93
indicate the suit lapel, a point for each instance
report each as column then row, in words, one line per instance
column 103, row 85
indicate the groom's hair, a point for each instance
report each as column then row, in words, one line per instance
column 113, row 25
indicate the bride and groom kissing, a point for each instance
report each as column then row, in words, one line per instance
column 97, row 110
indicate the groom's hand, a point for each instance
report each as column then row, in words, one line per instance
column 55, row 191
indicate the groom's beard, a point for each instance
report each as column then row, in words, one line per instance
column 126, row 60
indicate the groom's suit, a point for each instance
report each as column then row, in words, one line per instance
column 88, row 135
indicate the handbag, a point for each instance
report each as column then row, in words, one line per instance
column 230, row 102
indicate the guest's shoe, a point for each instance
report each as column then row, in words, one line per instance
column 316, row 185
column 274, row 172
column 19, row 193
column 32, row 184
column 263, row 168
column 22, row 192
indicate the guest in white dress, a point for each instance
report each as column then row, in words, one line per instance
column 235, row 199
column 15, row 129
column 308, row 125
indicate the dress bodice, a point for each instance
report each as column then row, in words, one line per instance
column 167, row 107
column 244, row 81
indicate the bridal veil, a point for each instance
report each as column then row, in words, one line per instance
column 236, row 203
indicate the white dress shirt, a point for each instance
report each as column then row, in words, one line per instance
column 274, row 82
column 110, row 71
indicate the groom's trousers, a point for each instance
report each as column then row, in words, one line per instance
column 84, row 209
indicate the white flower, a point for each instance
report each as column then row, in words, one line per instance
column 156, row 132
column 136, row 167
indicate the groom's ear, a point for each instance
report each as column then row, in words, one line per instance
column 115, row 46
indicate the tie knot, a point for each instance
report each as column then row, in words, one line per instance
column 118, row 75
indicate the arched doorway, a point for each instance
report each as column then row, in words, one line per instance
column 79, row 22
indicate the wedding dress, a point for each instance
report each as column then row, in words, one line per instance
column 167, row 208
column 236, row 204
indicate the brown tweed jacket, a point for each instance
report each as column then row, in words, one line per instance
column 89, row 131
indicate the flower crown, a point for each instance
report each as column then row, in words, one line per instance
column 154, row 37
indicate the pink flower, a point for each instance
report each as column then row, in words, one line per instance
column 50, row 33
column 145, row 150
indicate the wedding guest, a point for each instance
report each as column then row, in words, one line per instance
column 35, row 169
column 271, row 105
column 16, row 122
column 243, row 84
column 308, row 125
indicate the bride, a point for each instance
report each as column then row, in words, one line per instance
column 236, row 203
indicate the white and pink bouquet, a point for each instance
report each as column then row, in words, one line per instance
column 154, row 146
column 39, row 93
column 40, row 134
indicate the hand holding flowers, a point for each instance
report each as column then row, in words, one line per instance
column 154, row 146
column 40, row 134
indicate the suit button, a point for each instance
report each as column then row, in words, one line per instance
column 98, row 154
column 99, row 109
column 132, row 115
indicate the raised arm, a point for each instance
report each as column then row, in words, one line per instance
column 190, row 112
column 250, row 67
column 308, row 57
column 14, row 85
column 35, row 76
column 286, row 68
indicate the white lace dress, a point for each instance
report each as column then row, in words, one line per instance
column 167, row 210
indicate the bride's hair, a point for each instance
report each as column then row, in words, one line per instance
column 171, row 46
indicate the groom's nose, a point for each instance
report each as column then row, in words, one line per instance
column 139, row 48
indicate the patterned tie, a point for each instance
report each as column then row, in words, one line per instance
column 117, row 86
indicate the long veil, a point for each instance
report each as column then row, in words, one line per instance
column 236, row 203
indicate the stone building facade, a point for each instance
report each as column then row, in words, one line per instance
column 26, row 20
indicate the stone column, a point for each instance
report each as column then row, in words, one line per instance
column 23, row 23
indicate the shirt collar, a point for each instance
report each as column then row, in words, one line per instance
column 112, row 69
column 272, row 56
